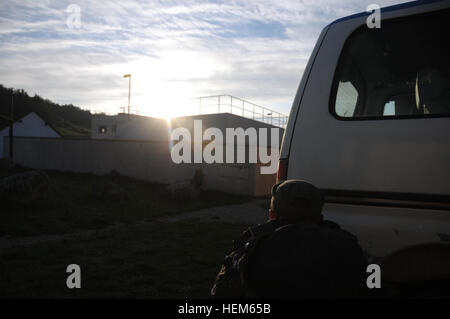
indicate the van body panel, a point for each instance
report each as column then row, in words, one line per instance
column 298, row 97
column 407, row 155
column 381, row 230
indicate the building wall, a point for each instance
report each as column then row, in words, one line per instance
column 139, row 148
column 133, row 127
column 144, row 160
column 129, row 127
column 223, row 121
column 30, row 125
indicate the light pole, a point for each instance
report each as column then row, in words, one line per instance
column 129, row 90
column 10, row 119
column 11, row 133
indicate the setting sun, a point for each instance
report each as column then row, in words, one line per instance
column 161, row 87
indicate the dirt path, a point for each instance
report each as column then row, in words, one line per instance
column 251, row 213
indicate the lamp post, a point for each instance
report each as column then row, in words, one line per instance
column 129, row 90
column 10, row 119
column 11, row 133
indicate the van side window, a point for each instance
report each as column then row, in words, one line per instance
column 399, row 70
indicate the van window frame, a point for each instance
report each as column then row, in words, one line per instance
column 335, row 83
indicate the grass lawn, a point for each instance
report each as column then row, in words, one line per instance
column 156, row 260
column 72, row 208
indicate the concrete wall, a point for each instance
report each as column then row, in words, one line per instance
column 129, row 127
column 134, row 127
column 238, row 178
column 223, row 121
column 144, row 160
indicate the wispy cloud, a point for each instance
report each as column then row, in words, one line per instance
column 174, row 49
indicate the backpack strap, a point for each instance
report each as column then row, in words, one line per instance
column 246, row 245
column 256, row 232
column 231, row 281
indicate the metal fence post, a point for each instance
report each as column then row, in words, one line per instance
column 231, row 105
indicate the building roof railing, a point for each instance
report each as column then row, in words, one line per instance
column 238, row 106
column 220, row 104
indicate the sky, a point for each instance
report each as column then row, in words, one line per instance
column 174, row 50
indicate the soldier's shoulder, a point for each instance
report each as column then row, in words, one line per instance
column 315, row 233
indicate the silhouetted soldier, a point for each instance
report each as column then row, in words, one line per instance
column 294, row 255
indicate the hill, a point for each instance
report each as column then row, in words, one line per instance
column 68, row 119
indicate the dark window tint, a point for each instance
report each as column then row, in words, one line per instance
column 400, row 69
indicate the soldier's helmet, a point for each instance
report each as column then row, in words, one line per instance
column 297, row 200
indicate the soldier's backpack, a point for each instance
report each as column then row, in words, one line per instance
column 231, row 281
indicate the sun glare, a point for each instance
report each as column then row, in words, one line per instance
column 160, row 87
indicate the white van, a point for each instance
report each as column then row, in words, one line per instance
column 370, row 126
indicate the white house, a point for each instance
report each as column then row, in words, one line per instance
column 31, row 125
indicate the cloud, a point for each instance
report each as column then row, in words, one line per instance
column 256, row 50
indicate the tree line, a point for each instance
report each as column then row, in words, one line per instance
column 68, row 119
